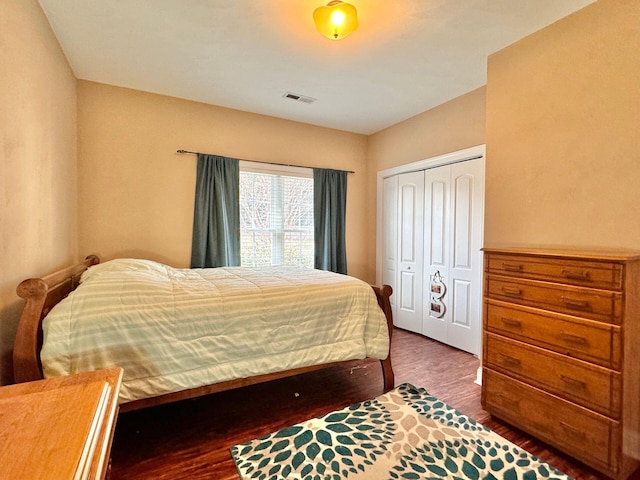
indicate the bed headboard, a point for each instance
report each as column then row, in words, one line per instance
column 41, row 295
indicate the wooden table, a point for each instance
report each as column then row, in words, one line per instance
column 60, row 428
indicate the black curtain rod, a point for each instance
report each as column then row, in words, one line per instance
column 268, row 163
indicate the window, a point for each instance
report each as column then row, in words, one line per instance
column 276, row 215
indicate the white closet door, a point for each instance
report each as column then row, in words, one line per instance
column 410, row 245
column 390, row 238
column 437, row 198
column 467, row 215
column 453, row 230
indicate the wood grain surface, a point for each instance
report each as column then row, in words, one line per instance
column 191, row 439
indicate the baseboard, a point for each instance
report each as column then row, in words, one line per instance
column 478, row 376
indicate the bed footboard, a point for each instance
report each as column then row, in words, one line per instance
column 383, row 293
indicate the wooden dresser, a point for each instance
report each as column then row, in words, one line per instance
column 59, row 428
column 561, row 351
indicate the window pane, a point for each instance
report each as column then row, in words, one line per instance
column 276, row 220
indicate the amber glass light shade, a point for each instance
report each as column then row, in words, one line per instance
column 336, row 20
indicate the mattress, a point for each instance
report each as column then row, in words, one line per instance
column 173, row 329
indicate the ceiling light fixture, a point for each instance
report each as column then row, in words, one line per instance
column 336, row 20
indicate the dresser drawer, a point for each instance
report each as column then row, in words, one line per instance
column 602, row 305
column 586, row 435
column 587, row 340
column 604, row 275
column 588, row 385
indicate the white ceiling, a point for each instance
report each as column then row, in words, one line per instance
column 406, row 57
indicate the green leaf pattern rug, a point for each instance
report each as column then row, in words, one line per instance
column 403, row 434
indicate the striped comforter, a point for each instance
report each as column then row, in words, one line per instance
column 173, row 329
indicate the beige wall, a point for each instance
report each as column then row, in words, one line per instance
column 563, row 133
column 452, row 126
column 38, row 167
column 136, row 194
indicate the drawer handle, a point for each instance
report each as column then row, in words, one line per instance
column 567, row 337
column 511, row 322
column 575, row 303
column 573, row 382
column 511, row 360
column 510, row 267
column 511, row 291
column 573, row 430
column 575, row 275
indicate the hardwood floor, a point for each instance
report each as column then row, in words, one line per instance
column 191, row 439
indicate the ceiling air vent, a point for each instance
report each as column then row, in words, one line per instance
column 299, row 98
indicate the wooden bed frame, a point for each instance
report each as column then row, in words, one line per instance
column 42, row 294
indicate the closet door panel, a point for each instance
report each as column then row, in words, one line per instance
column 462, row 220
column 465, row 273
column 461, row 315
column 390, row 239
column 437, row 312
column 410, row 243
column 436, row 223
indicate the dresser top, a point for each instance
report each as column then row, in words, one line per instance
column 592, row 254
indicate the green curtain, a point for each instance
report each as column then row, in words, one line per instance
column 216, row 217
column 329, row 213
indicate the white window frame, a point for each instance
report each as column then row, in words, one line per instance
column 274, row 169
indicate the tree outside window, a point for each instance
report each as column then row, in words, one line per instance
column 276, row 220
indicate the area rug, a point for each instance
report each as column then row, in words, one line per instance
column 403, row 434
